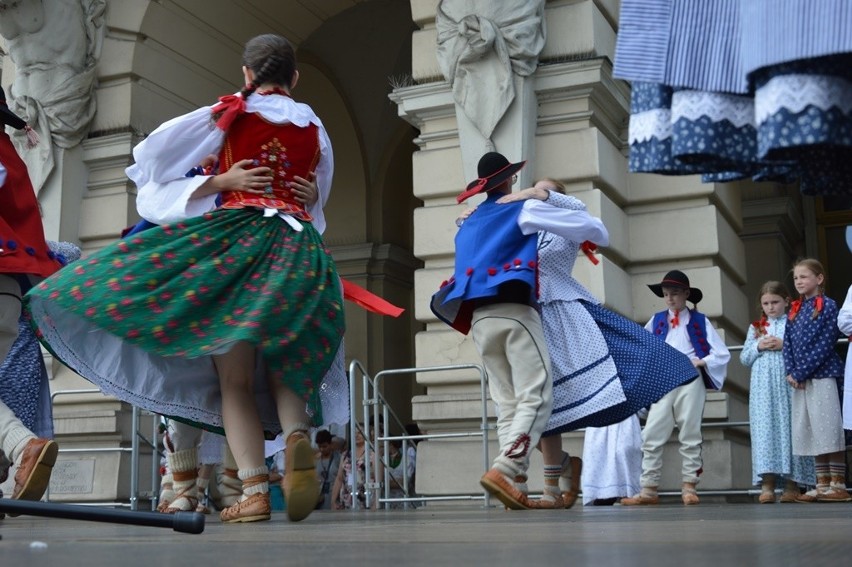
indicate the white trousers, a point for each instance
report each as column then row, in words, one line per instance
column 183, row 436
column 684, row 407
column 10, row 312
column 510, row 341
column 14, row 435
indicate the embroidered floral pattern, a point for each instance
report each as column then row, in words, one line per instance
column 193, row 288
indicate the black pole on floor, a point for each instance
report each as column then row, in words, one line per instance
column 185, row 522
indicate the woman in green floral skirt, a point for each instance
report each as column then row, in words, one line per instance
column 230, row 315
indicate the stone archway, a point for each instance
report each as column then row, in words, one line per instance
column 162, row 59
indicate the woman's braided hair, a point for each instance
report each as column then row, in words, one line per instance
column 273, row 60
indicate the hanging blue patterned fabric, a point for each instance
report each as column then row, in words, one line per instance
column 732, row 89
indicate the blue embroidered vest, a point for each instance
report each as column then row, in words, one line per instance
column 696, row 329
column 490, row 250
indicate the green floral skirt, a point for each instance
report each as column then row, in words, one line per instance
column 141, row 317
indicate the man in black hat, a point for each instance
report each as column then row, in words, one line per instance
column 493, row 294
column 24, row 258
column 691, row 333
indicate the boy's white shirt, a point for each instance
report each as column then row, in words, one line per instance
column 716, row 363
column 844, row 323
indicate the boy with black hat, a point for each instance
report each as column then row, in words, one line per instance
column 688, row 331
column 493, row 294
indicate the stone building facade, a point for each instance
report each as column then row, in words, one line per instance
column 403, row 149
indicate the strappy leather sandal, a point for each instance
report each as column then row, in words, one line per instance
column 644, row 498
column 551, row 500
column 569, row 497
column 255, row 508
column 689, row 495
column 300, row 483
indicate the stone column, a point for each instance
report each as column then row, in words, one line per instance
column 54, row 49
column 570, row 119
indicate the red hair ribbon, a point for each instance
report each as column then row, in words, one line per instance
column 230, row 107
column 817, row 307
column 795, row 305
column 588, row 247
column 760, row 326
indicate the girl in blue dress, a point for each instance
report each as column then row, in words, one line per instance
column 769, row 400
column 813, row 368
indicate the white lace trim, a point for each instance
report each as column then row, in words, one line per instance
column 147, row 381
column 656, row 123
column 795, row 92
column 692, row 105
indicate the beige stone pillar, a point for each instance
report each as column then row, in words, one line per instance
column 577, row 115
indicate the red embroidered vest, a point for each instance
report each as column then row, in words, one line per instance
column 23, row 249
column 285, row 148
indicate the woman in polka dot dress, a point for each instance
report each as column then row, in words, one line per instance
column 813, row 368
column 605, row 367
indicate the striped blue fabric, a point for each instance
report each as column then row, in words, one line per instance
column 643, row 40
column 713, row 45
column 775, row 31
column 704, row 52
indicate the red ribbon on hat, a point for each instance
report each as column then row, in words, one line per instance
column 230, row 107
column 588, row 247
column 480, row 183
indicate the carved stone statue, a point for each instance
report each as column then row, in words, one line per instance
column 55, row 45
column 481, row 43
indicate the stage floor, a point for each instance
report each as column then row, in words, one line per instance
column 722, row 535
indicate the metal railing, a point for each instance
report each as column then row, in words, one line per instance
column 373, row 402
column 134, row 451
column 372, row 398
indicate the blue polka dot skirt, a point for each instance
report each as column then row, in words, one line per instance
column 605, row 366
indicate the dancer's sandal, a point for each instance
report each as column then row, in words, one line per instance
column 688, row 495
column 766, row 497
column 183, row 502
column 788, row 497
column 811, row 496
column 167, row 494
column 791, row 492
column 229, row 488
column 254, row 508
column 571, row 471
column 834, row 493
column 644, row 498
column 504, row 489
column 300, row 483
column 550, row 500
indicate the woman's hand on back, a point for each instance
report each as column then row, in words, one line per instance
column 240, row 177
